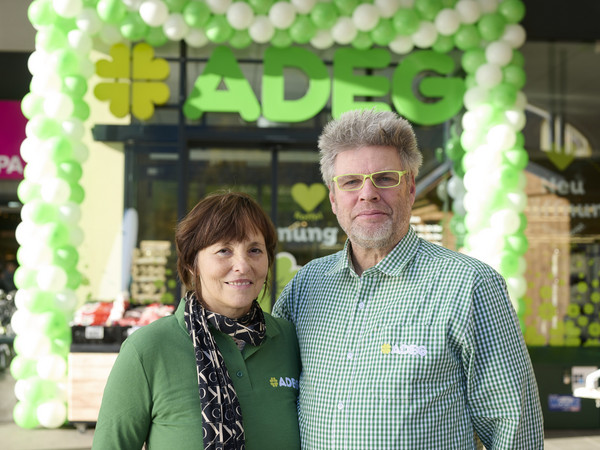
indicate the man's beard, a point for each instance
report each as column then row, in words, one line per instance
column 372, row 238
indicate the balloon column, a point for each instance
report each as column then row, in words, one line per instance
column 490, row 197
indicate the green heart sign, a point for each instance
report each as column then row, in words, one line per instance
column 308, row 197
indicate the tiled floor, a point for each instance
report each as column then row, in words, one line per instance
column 13, row 437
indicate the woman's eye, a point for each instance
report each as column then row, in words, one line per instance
column 256, row 250
column 222, row 251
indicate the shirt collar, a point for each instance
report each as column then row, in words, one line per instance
column 392, row 265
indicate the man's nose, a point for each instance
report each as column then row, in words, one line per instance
column 369, row 191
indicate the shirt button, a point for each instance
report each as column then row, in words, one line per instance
column 361, row 305
column 350, row 355
column 340, row 405
column 240, row 374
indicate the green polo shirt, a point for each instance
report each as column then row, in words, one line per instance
column 152, row 391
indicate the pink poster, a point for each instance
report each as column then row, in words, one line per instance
column 12, row 133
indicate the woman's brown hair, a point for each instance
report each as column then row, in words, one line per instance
column 219, row 217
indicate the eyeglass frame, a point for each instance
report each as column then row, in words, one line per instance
column 400, row 173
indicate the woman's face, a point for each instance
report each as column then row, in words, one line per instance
column 232, row 274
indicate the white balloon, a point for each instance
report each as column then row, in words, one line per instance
column 51, row 367
column 24, row 231
column 80, row 41
column 51, row 278
column 447, row 22
column 455, row 187
column 33, row 255
column 521, row 102
column 514, row 34
column 517, row 200
column 196, row 38
column 303, row 6
column 58, row 105
column 67, row 8
column 218, row 6
column 387, row 8
column 31, row 343
column 175, row 27
column 154, row 12
column 515, row 118
column 501, row 137
column 499, row 53
column 282, row 15
column 21, row 388
column 322, row 40
column 66, row 300
column 505, row 221
column 474, row 97
column 110, row 34
column 80, row 152
column 517, row 287
column 132, row 5
column 86, row 67
column 52, row 414
column 469, row 11
column 470, row 139
column 240, row 15
column 402, row 45
column 88, row 21
column 365, row 17
column 261, row 30
column 458, row 206
column 76, row 236
column 73, row 128
column 425, row 36
column 44, row 83
column 344, row 31
column 55, row 191
column 39, row 170
column 488, row 6
column 37, row 62
column 29, row 148
column 488, row 75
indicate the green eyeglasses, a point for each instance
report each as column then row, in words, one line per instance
column 355, row 181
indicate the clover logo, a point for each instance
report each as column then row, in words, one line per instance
column 274, row 382
column 135, row 88
column 386, row 349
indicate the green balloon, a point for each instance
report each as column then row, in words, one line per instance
column 70, row 171
column 28, row 191
column 175, row 6
column 77, row 193
column 303, row 29
column 261, row 6
column 470, row 81
column 74, row 279
column 59, row 148
column 518, row 59
column 57, row 235
column 54, row 325
column 61, row 347
column 75, row 86
column 39, row 301
column 81, row 110
column 218, row 29
column 196, row 14
column 281, row 39
column 67, row 62
column 509, row 264
column 467, row 37
column 520, row 142
column 25, row 415
column 491, row 26
column 156, row 37
column 517, row 243
column 443, row 44
column 39, row 390
column 406, row 21
column 133, row 27
column 458, row 169
column 362, row 41
column 508, row 177
column 383, row 33
column 31, row 105
column 241, row 39
column 324, row 15
column 42, row 212
column 429, row 8
column 517, row 158
column 512, row 10
column 66, row 257
column 50, row 39
column 454, row 150
column 346, row 7
column 111, row 11
column 503, row 95
column 21, row 367
column 514, row 75
column 472, row 59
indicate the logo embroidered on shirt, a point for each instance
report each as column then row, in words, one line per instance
column 284, row 382
column 403, row 349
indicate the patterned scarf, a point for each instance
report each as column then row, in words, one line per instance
column 221, row 413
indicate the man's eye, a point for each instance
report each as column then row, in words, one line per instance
column 351, row 182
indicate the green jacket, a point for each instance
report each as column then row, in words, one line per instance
column 152, row 391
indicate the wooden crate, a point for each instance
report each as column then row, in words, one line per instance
column 87, row 377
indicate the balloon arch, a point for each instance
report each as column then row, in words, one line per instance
column 487, row 183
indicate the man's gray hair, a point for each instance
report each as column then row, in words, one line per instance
column 365, row 128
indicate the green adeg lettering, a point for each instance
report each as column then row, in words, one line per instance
column 440, row 96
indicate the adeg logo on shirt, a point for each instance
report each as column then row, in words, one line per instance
column 284, row 382
column 403, row 349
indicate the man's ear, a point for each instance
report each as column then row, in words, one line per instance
column 332, row 201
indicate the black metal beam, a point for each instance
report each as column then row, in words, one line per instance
column 560, row 20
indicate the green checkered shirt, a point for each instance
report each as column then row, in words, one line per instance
column 420, row 352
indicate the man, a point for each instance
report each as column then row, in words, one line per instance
column 404, row 344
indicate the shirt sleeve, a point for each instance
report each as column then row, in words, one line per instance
column 502, row 393
column 124, row 417
column 283, row 305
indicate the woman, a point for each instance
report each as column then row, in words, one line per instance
column 219, row 373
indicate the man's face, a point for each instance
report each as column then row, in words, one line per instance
column 373, row 218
